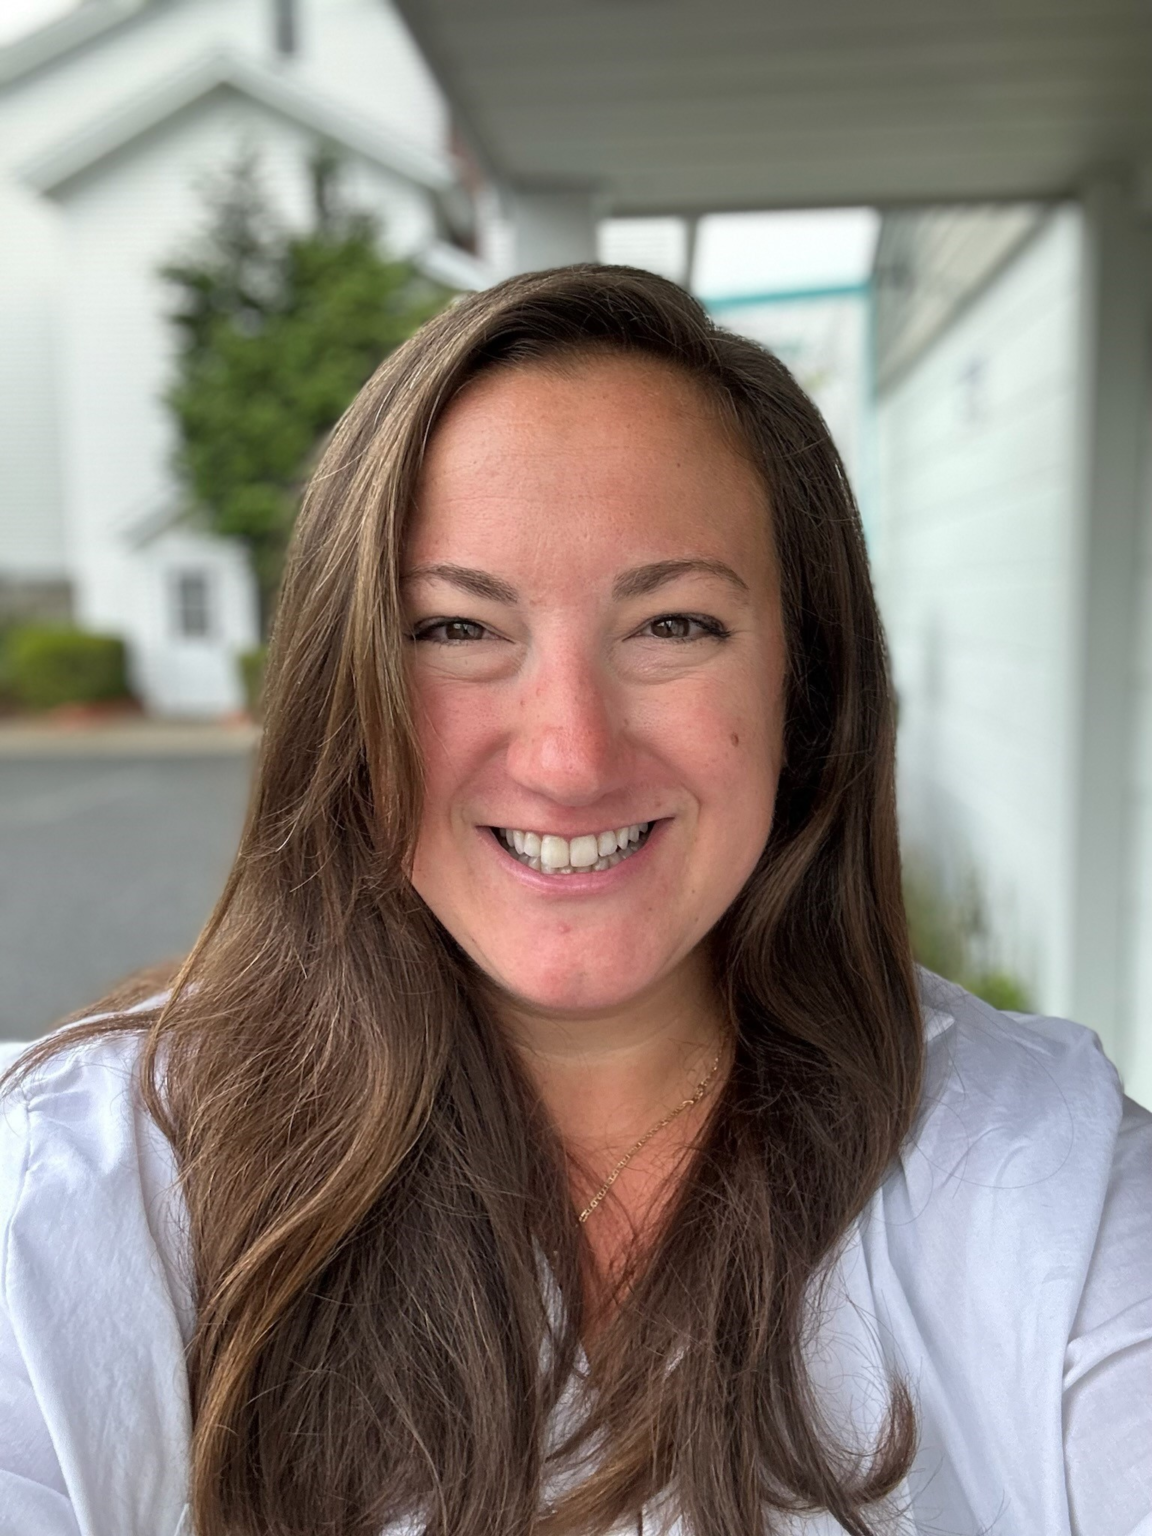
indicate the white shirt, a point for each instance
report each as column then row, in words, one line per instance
column 1004, row 1267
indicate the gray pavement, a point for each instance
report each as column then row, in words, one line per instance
column 114, row 845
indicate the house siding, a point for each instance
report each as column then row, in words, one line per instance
column 32, row 536
column 974, row 552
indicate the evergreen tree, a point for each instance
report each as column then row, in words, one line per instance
column 278, row 330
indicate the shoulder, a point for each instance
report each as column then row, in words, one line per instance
column 1001, row 1184
column 95, row 1295
column 78, row 1076
column 979, row 1247
column 1030, row 1096
column 82, row 1164
column 84, row 1096
column 95, row 1067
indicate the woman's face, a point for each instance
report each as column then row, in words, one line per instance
column 597, row 646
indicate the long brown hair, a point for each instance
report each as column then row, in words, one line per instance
column 387, row 1263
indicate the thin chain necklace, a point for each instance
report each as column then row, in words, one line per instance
column 702, row 1088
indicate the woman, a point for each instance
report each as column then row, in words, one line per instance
column 549, row 1131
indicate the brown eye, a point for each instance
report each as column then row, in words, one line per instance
column 450, row 631
column 674, row 627
column 679, row 626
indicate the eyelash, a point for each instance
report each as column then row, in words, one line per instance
column 713, row 628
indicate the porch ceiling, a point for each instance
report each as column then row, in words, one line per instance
column 691, row 105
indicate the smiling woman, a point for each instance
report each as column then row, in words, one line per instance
column 549, row 1132
column 572, row 702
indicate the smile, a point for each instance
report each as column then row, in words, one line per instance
column 553, row 855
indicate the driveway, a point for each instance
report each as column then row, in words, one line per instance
column 113, row 850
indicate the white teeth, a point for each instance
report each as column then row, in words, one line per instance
column 583, row 852
column 553, row 851
column 570, row 856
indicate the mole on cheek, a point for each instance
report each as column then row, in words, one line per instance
column 735, row 739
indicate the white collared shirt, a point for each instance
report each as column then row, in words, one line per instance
column 1003, row 1268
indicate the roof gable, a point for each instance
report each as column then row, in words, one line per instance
column 86, row 24
column 82, row 153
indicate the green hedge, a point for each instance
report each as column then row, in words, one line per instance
column 49, row 665
column 6, row 696
column 252, row 677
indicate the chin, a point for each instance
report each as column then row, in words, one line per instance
column 569, row 991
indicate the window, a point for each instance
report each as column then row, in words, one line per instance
column 193, row 605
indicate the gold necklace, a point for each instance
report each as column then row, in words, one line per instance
column 702, row 1088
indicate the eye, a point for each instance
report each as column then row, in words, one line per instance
column 455, row 631
column 679, row 626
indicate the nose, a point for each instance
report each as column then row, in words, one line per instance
column 565, row 743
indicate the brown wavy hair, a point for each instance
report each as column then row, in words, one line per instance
column 387, row 1263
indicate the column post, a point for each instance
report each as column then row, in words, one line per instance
column 1114, row 406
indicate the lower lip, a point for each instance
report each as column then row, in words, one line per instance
column 594, row 882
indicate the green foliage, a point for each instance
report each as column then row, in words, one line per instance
column 7, row 697
column 278, row 330
column 48, row 665
column 949, row 931
column 1001, row 990
column 251, row 665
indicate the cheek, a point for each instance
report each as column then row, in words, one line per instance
column 736, row 757
column 735, row 738
column 452, row 726
column 448, row 737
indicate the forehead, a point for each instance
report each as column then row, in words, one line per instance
column 615, row 447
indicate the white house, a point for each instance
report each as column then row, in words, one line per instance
column 1025, row 752
column 111, row 119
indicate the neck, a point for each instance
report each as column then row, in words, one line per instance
column 607, row 1075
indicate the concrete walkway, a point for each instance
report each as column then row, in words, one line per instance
column 130, row 737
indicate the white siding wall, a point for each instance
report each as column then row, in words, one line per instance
column 31, row 511
column 974, row 549
column 360, row 53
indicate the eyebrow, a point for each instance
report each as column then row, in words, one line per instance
column 637, row 582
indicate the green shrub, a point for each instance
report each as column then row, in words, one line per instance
column 252, row 677
column 1000, row 989
column 47, row 665
column 277, row 329
column 950, row 935
column 6, row 696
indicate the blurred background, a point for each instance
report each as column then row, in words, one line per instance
column 216, row 216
